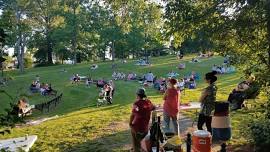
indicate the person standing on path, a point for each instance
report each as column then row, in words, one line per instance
column 171, row 105
column 207, row 100
column 140, row 118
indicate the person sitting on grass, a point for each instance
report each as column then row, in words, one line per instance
column 88, row 82
column 94, row 67
column 22, row 107
column 43, row 89
column 140, row 118
column 181, row 85
column 131, row 76
column 172, row 74
column 194, row 75
column 192, row 84
column 171, row 105
column 50, row 90
column 101, row 83
column 207, row 100
column 33, row 87
column 181, row 66
column 149, row 77
column 75, row 78
column 194, row 60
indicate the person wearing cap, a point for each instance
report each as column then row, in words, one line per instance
column 139, row 119
column 207, row 100
column 171, row 105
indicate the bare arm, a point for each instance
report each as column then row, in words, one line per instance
column 131, row 119
column 165, row 95
column 203, row 95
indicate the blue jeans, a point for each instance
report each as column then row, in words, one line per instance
column 167, row 120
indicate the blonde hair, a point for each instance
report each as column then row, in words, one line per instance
column 251, row 78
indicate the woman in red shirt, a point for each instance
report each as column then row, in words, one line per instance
column 171, row 105
column 139, row 119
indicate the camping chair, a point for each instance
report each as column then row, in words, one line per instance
column 103, row 98
column 250, row 99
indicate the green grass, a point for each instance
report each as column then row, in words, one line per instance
column 82, row 126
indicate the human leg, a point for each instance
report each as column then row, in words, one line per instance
column 201, row 121
column 137, row 137
column 175, row 124
column 166, row 121
column 208, row 121
column 135, row 142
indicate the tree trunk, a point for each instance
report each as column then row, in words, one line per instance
column 104, row 55
column 49, row 48
column 113, row 50
column 22, row 48
column 19, row 48
column 74, row 36
column 268, row 29
column 48, row 41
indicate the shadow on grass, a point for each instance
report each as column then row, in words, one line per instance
column 119, row 141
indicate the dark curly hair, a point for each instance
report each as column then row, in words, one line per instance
column 211, row 76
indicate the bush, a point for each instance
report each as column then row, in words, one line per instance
column 28, row 62
column 43, row 64
column 259, row 133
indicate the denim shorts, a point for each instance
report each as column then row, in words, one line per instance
column 221, row 133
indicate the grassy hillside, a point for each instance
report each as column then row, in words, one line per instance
column 82, row 126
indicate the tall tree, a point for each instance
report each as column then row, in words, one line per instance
column 44, row 15
column 16, row 22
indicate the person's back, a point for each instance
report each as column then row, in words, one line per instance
column 150, row 77
column 171, row 104
column 209, row 100
column 142, row 112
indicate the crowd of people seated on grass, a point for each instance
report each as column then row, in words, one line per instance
column 160, row 85
column 223, row 69
column 206, row 55
column 244, row 90
column 119, row 76
column 43, row 89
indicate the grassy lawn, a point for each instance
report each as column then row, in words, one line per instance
column 83, row 127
